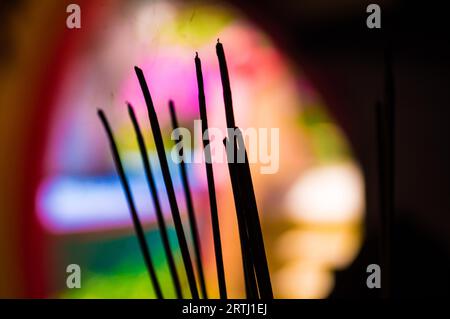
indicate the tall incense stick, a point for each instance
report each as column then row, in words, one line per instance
column 136, row 222
column 168, row 183
column 251, row 287
column 190, row 208
column 156, row 203
column 244, row 176
column 226, row 87
column 254, row 225
column 210, row 179
column 385, row 112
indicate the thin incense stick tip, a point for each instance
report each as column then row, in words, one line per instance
column 137, row 69
column 103, row 119
column 130, row 108
column 172, row 113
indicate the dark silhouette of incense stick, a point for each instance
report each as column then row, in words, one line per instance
column 252, row 220
column 136, row 222
column 156, row 203
column 385, row 117
column 168, row 183
column 210, row 179
column 190, row 208
column 227, row 99
column 251, row 287
column 244, row 176
column 254, row 261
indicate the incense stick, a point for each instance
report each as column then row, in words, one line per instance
column 251, row 287
column 210, row 180
column 156, row 203
column 252, row 219
column 190, row 208
column 385, row 116
column 244, row 176
column 382, row 180
column 136, row 222
column 168, row 183
column 226, row 87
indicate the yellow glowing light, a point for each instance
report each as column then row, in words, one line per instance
column 304, row 281
column 328, row 194
column 334, row 248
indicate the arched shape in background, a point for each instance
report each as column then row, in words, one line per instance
column 316, row 149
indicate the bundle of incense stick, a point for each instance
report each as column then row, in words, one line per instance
column 254, row 261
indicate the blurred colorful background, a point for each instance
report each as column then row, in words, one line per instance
column 62, row 202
